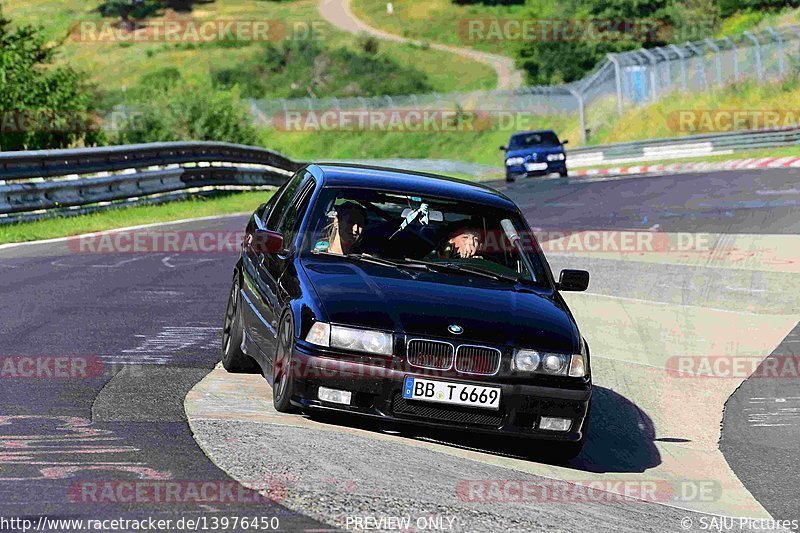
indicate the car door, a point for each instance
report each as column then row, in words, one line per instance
column 257, row 325
column 264, row 290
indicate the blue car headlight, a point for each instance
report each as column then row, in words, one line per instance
column 514, row 161
column 556, row 157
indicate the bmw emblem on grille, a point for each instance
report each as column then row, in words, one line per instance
column 455, row 329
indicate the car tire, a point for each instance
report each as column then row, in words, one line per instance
column 563, row 173
column 282, row 380
column 509, row 179
column 233, row 358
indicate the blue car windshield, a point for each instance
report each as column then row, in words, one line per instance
column 402, row 227
column 527, row 140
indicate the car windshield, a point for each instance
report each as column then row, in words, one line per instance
column 526, row 140
column 441, row 235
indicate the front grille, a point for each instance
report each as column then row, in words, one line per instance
column 403, row 408
column 430, row 354
column 477, row 359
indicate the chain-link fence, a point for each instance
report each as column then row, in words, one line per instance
column 628, row 78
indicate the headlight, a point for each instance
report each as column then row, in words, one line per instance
column 556, row 157
column 527, row 360
column 361, row 340
column 557, row 364
column 319, row 334
column 514, row 161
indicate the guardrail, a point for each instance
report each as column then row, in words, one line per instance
column 682, row 147
column 39, row 183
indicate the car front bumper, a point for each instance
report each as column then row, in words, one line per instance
column 552, row 167
column 377, row 393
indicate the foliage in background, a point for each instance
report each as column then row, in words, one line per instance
column 41, row 105
column 167, row 108
column 302, row 68
column 551, row 61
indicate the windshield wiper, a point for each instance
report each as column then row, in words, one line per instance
column 453, row 267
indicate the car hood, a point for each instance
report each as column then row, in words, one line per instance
column 541, row 150
column 422, row 303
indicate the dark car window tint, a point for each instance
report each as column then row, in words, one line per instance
column 290, row 222
column 285, row 200
column 545, row 138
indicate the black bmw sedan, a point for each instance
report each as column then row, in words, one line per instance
column 410, row 298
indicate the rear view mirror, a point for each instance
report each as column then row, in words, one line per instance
column 503, row 148
column 433, row 215
column 573, row 280
column 267, row 241
column 565, row 141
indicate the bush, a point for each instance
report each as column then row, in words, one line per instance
column 181, row 110
column 42, row 105
column 304, row 68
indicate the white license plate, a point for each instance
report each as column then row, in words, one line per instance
column 453, row 393
column 535, row 166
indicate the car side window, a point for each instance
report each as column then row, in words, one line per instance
column 283, row 203
column 290, row 222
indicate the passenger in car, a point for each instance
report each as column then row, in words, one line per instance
column 347, row 230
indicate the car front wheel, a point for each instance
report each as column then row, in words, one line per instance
column 233, row 358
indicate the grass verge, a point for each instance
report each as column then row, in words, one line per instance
column 196, row 207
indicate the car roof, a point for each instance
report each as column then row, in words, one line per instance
column 420, row 183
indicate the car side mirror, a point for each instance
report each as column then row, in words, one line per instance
column 267, row 241
column 565, row 141
column 503, row 148
column 573, row 280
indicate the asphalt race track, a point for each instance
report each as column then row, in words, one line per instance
column 147, row 402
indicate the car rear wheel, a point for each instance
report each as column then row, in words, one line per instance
column 282, row 380
column 233, row 358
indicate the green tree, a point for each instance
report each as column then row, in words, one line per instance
column 41, row 105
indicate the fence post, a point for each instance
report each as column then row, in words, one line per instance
column 679, row 52
column 699, row 62
column 653, row 62
column 780, row 48
column 735, row 57
column 668, row 61
column 581, row 112
column 711, row 44
column 755, row 40
column 618, row 77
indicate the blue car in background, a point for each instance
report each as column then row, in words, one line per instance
column 534, row 153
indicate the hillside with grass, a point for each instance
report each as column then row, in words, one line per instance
column 555, row 49
column 119, row 66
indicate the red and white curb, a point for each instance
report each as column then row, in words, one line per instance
column 696, row 166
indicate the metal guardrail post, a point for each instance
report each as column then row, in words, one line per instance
column 755, row 40
column 618, row 78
